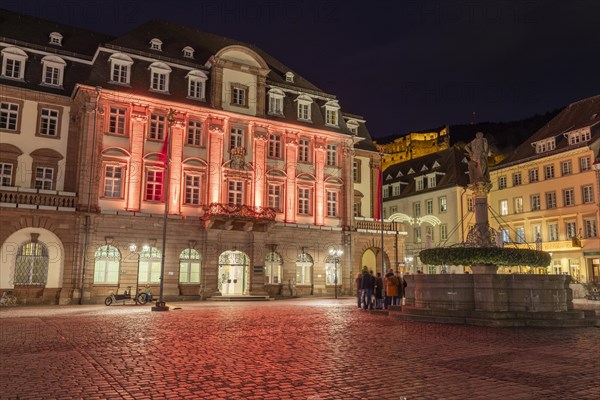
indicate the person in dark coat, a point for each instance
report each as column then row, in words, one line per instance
column 367, row 288
column 378, row 292
column 359, row 288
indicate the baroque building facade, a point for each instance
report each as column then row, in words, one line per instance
column 170, row 146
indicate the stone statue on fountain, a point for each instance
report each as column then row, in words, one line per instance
column 478, row 152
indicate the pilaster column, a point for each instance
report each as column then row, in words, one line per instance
column 320, row 203
column 216, row 130
column 135, row 176
column 259, row 159
column 175, row 167
column 291, row 156
column 347, row 192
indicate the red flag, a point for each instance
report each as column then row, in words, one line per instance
column 379, row 189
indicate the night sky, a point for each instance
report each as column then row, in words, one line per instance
column 403, row 65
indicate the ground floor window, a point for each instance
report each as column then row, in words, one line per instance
column 273, row 265
column 149, row 266
column 31, row 267
column 304, row 264
column 189, row 266
column 106, row 265
column 333, row 272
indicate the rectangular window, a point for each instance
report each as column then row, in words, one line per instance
column 587, row 194
column 516, row 179
column 536, row 204
column 356, row 171
column 159, row 81
column 113, row 178
column 6, row 172
column 275, row 197
column 417, row 209
column 236, row 138
column 584, row 164
column 431, row 181
column 443, row 232
column 503, row 207
column 470, row 204
column 549, row 171
column 537, row 232
column 396, row 189
column 356, row 208
column 566, row 168
column 274, row 146
column 195, row 89
column 194, row 137
column 418, row 237
column 235, row 194
column 393, row 210
column 9, row 115
column 157, row 127
column 568, row 197
column 192, row 189
column 44, row 178
column 13, row 68
column 419, row 183
column 331, row 117
column 154, row 185
column 590, row 228
column 505, row 235
column 533, row 175
column 518, row 205
column 275, row 105
column 331, row 155
column 429, row 233
column 239, row 96
column 571, row 229
column 553, row 232
column 502, row 182
column 116, row 120
column 443, row 204
column 119, row 73
column 429, row 207
column 303, row 201
column 51, row 75
column 48, row 122
column 551, row 200
column 332, row 202
column 303, row 150
column 304, row 111
column 520, row 234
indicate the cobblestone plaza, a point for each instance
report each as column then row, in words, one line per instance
column 313, row 349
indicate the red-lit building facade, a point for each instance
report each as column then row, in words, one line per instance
column 264, row 172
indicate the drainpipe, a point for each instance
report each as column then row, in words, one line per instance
column 462, row 215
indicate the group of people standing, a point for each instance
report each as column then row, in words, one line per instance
column 373, row 291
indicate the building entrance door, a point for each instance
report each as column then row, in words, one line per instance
column 233, row 267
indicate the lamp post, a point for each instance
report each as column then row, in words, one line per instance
column 133, row 248
column 336, row 254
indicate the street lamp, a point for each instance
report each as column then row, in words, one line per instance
column 409, row 264
column 133, row 248
column 336, row 254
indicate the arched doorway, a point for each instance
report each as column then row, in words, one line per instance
column 233, row 270
column 371, row 258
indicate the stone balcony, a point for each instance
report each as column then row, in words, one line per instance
column 37, row 199
column 371, row 225
column 237, row 217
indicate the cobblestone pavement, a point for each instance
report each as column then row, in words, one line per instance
column 313, row 349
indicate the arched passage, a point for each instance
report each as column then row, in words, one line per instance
column 233, row 273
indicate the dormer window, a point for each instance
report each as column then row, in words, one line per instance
column 188, row 52
column 52, row 71
column 13, row 63
column 276, row 102
column 56, row 39
column 120, row 68
column 289, row 77
column 156, row 44
column 352, row 126
column 332, row 109
column 578, row 137
column 159, row 77
column 304, row 107
column 196, row 84
column 544, row 145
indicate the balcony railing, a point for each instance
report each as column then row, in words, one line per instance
column 369, row 224
column 215, row 210
column 17, row 197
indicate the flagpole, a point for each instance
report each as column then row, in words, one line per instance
column 380, row 205
column 160, row 303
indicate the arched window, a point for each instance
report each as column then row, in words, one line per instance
column 31, row 267
column 149, row 267
column 106, row 265
column 333, row 268
column 189, row 266
column 273, row 265
column 304, row 264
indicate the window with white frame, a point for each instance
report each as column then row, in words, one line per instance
column 6, row 174
column 157, row 127
column 545, row 145
column 189, row 266
column 503, row 207
column 577, row 137
column 120, row 68
column 553, row 232
column 196, row 85
column 419, row 183
column 356, row 165
column 107, row 262
column 116, row 120
column 154, row 185
column 585, row 164
column 192, row 189
column 417, row 209
column 9, row 116
column 331, row 155
column 431, row 181
column 429, row 234
column 44, row 178
column 590, row 228
column 239, row 95
column 55, row 39
column 304, row 264
column 533, row 175
column 188, row 52
column 235, row 193
column 536, row 203
column 520, row 234
column 443, row 232
column 396, row 189
column 274, row 193
column 566, row 168
column 304, row 201
column 276, row 101
column 13, row 63
column 48, row 125
column 52, row 70
column 505, row 235
column 429, row 206
column 332, row 203
column 417, row 235
column 353, row 126
column 470, row 204
column 502, row 182
column 194, row 136
column 304, row 150
column 443, row 204
column 156, row 44
column 550, row 200
column 537, row 232
column 149, row 266
column 274, row 145
column 273, row 266
column 571, row 229
column 159, row 77
column 236, row 138
column 332, row 109
column 289, row 77
column 113, row 181
column 548, row 171
column 516, row 178
column 304, row 107
column 587, row 194
column 518, row 205
column 568, row 197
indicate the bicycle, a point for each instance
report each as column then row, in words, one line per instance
column 140, row 298
column 8, row 299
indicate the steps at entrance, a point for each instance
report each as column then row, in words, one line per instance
column 240, row 298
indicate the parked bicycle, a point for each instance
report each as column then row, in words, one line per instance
column 139, row 298
column 8, row 299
